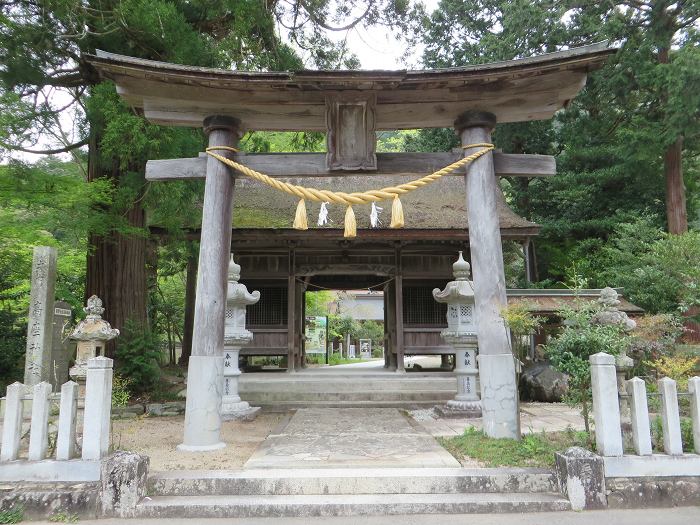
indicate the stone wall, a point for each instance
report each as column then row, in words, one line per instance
column 627, row 493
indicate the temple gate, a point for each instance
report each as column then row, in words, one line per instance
column 350, row 106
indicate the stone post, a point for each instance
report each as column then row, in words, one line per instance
column 639, row 412
column 39, row 429
column 235, row 336
column 12, row 423
column 694, row 391
column 98, row 408
column 461, row 334
column 205, row 369
column 606, row 407
column 499, row 392
column 65, row 441
column 37, row 364
column 612, row 315
column 61, row 347
column 670, row 417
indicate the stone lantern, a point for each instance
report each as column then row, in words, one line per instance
column 235, row 336
column 461, row 335
column 92, row 334
column 612, row 315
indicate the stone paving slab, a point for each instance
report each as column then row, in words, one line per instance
column 534, row 417
column 350, row 437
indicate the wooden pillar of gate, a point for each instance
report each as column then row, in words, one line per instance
column 205, row 367
column 291, row 317
column 499, row 392
column 398, row 312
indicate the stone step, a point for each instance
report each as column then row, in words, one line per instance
column 372, row 395
column 292, row 404
column 343, row 384
column 351, row 481
column 246, row 506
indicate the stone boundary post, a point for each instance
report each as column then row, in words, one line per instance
column 606, row 405
column 39, row 430
column 98, row 408
column 694, row 391
column 65, row 441
column 12, row 423
column 670, row 417
column 639, row 412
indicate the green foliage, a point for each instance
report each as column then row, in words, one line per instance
column 579, row 339
column 137, row 357
column 120, row 391
column 373, row 330
column 533, row 450
column 657, row 434
column 12, row 515
column 611, row 139
column 522, row 323
column 341, row 325
column 317, row 303
column 63, row 517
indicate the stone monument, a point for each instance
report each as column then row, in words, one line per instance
column 61, row 346
column 461, row 334
column 236, row 336
column 92, row 333
column 612, row 315
column 37, row 365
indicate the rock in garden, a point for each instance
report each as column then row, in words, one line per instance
column 542, row 382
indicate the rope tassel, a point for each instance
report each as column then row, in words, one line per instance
column 300, row 222
column 396, row 213
column 350, row 224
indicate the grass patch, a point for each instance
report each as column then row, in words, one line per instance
column 532, row 450
column 13, row 515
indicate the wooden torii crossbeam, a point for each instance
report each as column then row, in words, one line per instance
column 350, row 107
column 314, row 165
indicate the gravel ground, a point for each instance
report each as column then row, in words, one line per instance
column 158, row 437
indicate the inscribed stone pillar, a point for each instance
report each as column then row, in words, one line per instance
column 37, row 365
column 205, row 369
column 61, row 347
column 499, row 392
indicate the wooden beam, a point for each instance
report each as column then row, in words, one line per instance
column 314, row 165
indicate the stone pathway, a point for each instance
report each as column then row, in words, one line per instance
column 534, row 417
column 350, row 437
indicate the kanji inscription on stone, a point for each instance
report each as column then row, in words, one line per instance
column 37, row 366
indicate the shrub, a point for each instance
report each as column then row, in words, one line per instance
column 569, row 351
column 522, row 323
column 137, row 357
column 120, row 391
column 680, row 368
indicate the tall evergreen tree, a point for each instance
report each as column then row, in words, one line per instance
column 48, row 93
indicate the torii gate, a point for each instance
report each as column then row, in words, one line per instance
column 350, row 106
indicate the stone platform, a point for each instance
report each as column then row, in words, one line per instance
column 350, row 437
column 343, row 387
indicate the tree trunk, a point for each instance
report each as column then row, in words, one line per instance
column 116, row 267
column 190, row 294
column 676, row 212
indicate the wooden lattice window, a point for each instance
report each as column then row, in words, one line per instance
column 271, row 309
column 419, row 307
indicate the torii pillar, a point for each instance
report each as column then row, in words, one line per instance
column 206, row 364
column 499, row 391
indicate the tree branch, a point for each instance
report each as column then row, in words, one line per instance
column 65, row 149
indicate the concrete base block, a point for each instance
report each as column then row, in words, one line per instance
column 124, row 480
column 459, row 411
column 670, row 491
column 245, row 414
column 499, row 396
column 40, row 501
column 581, row 478
column 203, row 408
